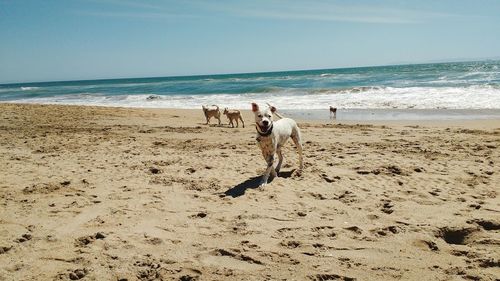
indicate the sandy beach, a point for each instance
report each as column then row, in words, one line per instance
column 94, row 193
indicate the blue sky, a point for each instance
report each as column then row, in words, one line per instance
column 90, row 39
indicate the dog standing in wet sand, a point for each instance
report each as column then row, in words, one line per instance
column 272, row 135
column 233, row 115
column 211, row 111
column 333, row 112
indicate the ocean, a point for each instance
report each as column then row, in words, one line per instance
column 435, row 86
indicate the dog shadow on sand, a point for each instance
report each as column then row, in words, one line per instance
column 210, row 125
column 223, row 125
column 252, row 183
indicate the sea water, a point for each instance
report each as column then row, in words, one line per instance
column 436, row 86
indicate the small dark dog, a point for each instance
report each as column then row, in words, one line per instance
column 333, row 112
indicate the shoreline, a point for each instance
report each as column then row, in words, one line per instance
column 367, row 116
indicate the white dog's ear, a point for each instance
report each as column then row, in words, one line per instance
column 273, row 109
column 255, row 107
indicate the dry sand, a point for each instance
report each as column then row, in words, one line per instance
column 131, row 194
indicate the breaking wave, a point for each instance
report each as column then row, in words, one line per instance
column 472, row 97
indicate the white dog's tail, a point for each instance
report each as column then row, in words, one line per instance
column 275, row 112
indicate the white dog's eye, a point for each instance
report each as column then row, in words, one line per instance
column 260, row 115
column 268, row 116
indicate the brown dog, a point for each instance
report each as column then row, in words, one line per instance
column 211, row 111
column 333, row 112
column 233, row 115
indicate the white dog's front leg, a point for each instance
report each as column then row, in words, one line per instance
column 269, row 170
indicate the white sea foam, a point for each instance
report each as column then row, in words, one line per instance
column 28, row 88
column 472, row 97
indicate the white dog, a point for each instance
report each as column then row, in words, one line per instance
column 271, row 137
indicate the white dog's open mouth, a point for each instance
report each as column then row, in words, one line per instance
column 263, row 128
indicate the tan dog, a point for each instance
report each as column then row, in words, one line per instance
column 211, row 111
column 333, row 112
column 233, row 115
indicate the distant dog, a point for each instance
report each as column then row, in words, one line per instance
column 233, row 115
column 333, row 112
column 211, row 111
column 272, row 135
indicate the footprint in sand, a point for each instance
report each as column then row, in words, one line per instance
column 290, row 244
column 188, row 278
column 150, row 268
column 154, row 170
column 435, row 192
column 475, row 206
column 387, row 207
column 488, row 262
column 355, row 229
column 347, row 197
column 199, row 215
column 318, row 196
column 4, row 249
column 78, row 274
column 247, row 244
column 486, row 224
column 386, row 230
column 427, row 244
column 236, row 255
column 458, row 235
column 328, row 276
column 329, row 179
column 85, row 240
column 301, row 214
column 154, row 241
column 324, row 231
column 25, row 237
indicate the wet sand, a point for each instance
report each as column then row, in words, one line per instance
column 398, row 115
column 154, row 194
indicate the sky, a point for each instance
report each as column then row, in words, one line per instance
column 54, row 40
